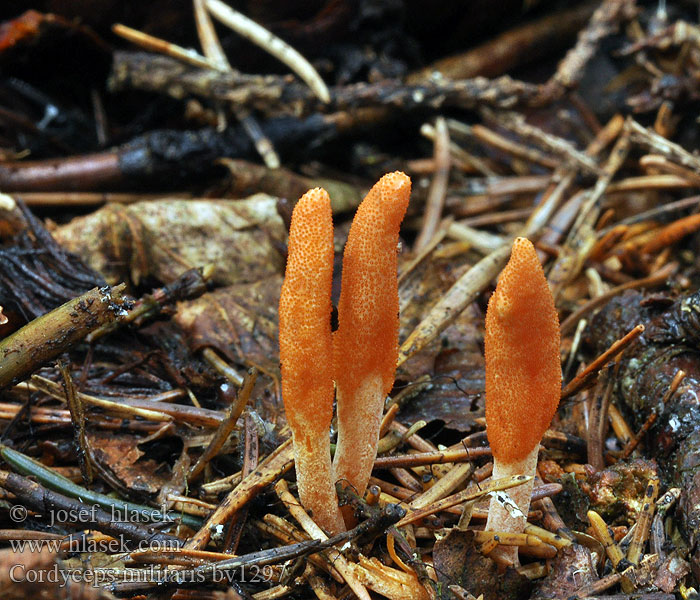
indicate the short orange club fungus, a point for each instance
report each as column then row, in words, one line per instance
column 523, row 377
column 365, row 346
column 306, row 354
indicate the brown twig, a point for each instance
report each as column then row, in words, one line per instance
column 52, row 504
column 50, row 335
column 438, row 187
column 250, row 462
column 672, row 388
column 617, row 347
column 657, row 278
column 225, row 427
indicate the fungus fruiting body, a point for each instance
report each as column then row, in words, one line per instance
column 523, row 377
column 365, row 346
column 305, row 354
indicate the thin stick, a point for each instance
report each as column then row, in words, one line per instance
column 454, row 478
column 226, row 427
column 654, row 161
column 516, row 123
column 430, row 458
column 76, row 407
column 438, row 186
column 208, row 38
column 155, row 44
column 619, row 424
column 308, row 525
column 649, row 182
column 53, row 389
column 269, row 42
column 578, row 382
column 641, row 531
column 471, row 493
column 597, row 419
column 250, row 462
column 221, row 366
column 652, row 280
column 634, row 442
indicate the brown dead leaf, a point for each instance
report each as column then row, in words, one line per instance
column 159, row 240
column 240, row 322
column 121, row 454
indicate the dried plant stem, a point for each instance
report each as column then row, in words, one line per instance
column 430, row 458
column 50, row 335
column 308, row 525
column 53, row 389
column 483, row 241
column 275, row 465
column 155, row 44
column 226, row 427
column 76, row 408
column 654, row 161
column 471, row 493
column 270, row 43
column 221, row 366
column 643, row 525
column 445, row 485
column 208, row 38
column 578, row 382
column 438, row 187
column 516, row 123
column 490, row 137
column 598, row 419
column 660, row 145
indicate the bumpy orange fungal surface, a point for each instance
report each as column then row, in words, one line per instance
column 306, row 354
column 304, row 314
column 523, row 368
column 368, row 311
column 365, row 346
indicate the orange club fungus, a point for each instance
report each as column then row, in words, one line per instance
column 362, row 355
column 523, row 378
column 365, row 346
column 305, row 354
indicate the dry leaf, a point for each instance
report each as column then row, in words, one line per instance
column 159, row 240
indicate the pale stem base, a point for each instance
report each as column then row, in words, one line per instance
column 499, row 518
column 312, row 461
column 359, row 419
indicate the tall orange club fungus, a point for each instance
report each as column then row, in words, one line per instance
column 523, row 377
column 305, row 354
column 365, row 346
